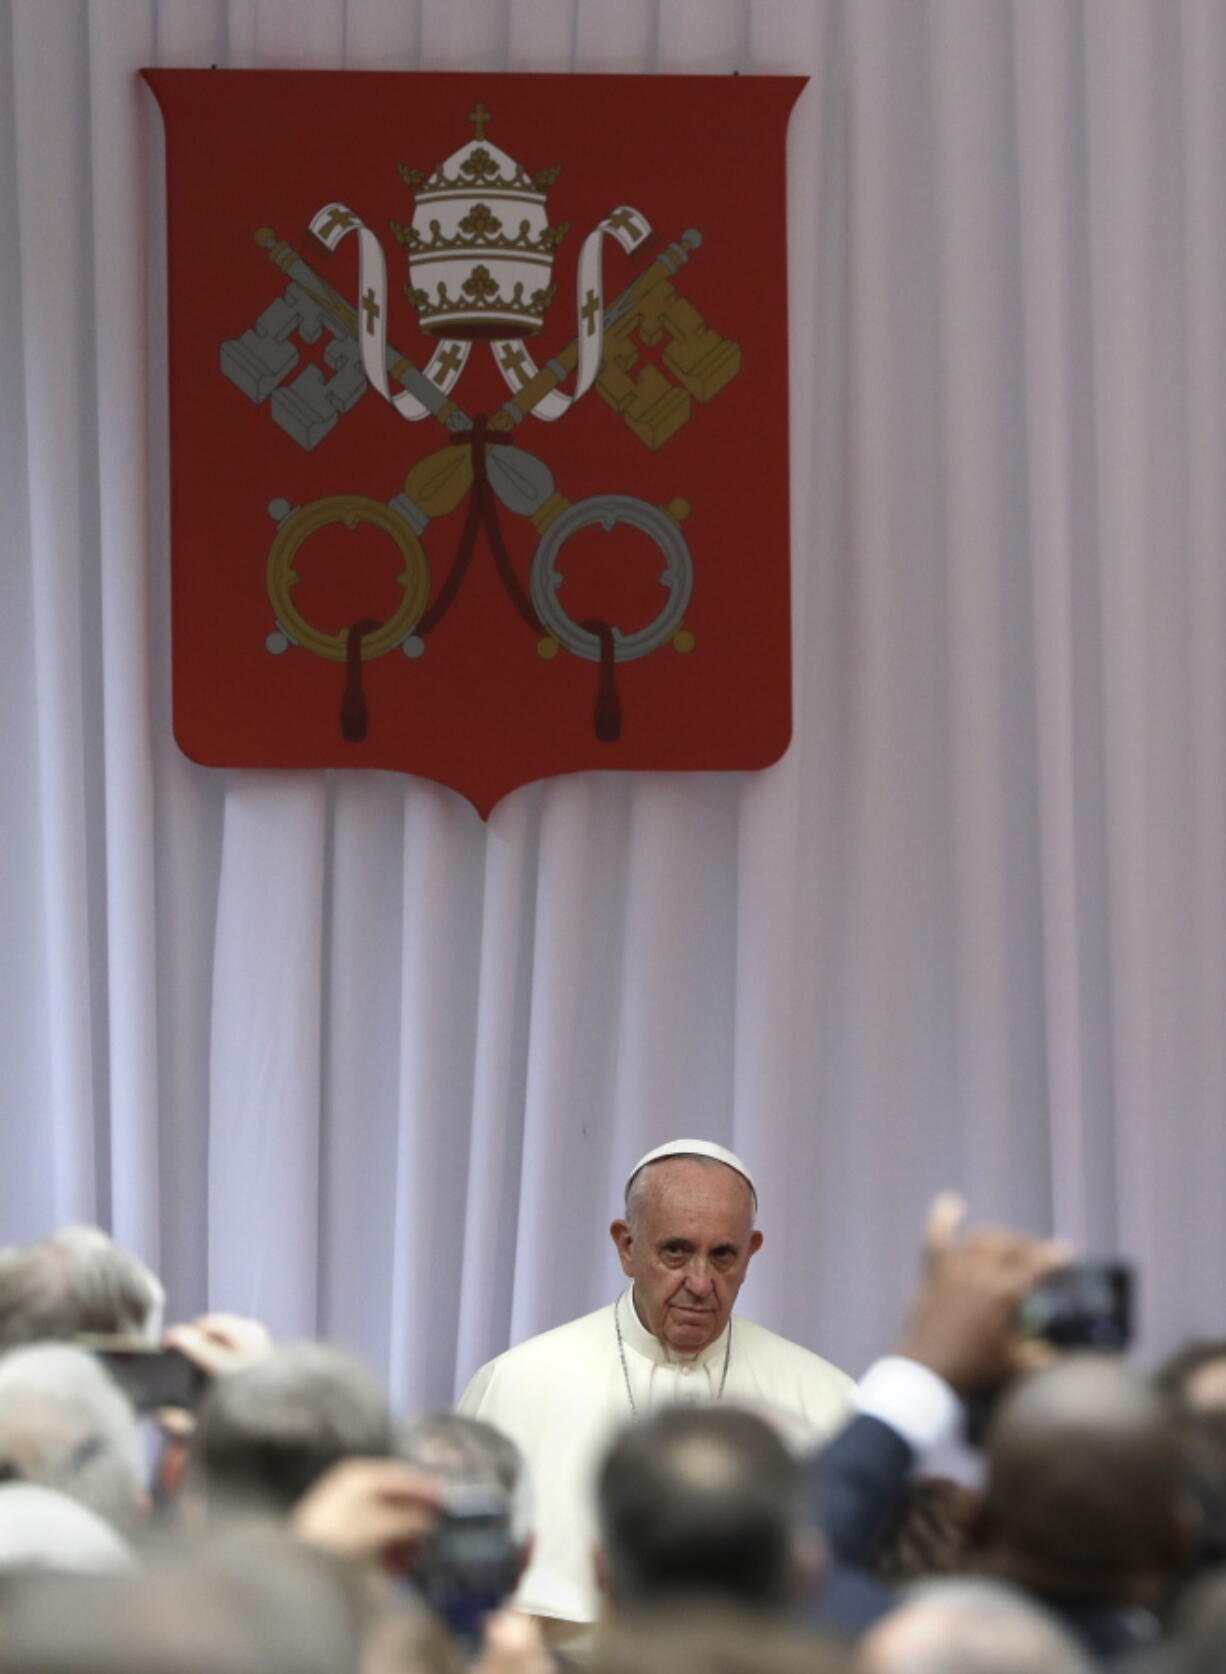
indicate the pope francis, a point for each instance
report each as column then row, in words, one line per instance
column 685, row 1243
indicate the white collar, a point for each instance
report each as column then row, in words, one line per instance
column 636, row 1336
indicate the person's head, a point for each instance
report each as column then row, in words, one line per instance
column 1194, row 1377
column 969, row 1626
column 468, row 1453
column 703, row 1501
column 1084, row 1493
column 268, row 1432
column 66, row 1425
column 486, row 1522
column 76, row 1281
column 41, row 1529
column 686, row 1241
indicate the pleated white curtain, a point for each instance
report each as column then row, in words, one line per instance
column 327, row 1049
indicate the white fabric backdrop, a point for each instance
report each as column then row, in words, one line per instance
column 330, row 1050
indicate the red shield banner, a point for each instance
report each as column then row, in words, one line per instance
column 479, row 422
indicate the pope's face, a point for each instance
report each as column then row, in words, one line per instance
column 687, row 1249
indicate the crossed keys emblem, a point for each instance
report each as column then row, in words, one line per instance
column 478, row 277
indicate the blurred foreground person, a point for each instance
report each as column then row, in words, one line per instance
column 378, row 1516
column 704, row 1504
column 717, row 1639
column 969, row 1627
column 468, row 1567
column 1194, row 1377
column 76, row 1281
column 468, row 1453
column 961, row 1344
column 64, row 1424
column 258, row 1606
column 269, row 1431
column 42, row 1530
column 1084, row 1504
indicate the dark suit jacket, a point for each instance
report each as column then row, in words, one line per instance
column 856, row 1484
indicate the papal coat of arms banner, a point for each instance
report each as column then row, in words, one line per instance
column 479, row 421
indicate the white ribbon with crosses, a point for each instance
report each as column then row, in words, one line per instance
column 330, row 225
column 517, row 366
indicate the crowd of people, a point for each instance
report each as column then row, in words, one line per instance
column 986, row 1503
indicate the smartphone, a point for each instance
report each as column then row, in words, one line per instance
column 1086, row 1305
column 149, row 1375
column 471, row 1563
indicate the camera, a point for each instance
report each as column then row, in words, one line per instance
column 1086, row 1305
column 470, row 1564
column 150, row 1376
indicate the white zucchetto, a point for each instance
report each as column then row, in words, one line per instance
column 694, row 1148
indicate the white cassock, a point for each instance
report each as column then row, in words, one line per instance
column 562, row 1396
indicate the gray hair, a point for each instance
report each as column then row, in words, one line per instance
column 970, row 1625
column 636, row 1186
column 43, row 1530
column 269, row 1431
column 469, row 1453
column 65, row 1424
column 77, row 1280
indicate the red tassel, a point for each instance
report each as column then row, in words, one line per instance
column 354, row 715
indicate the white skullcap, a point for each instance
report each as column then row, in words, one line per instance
column 695, row 1148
